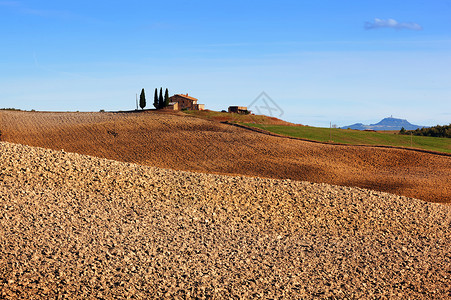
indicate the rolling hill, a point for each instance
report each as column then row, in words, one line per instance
column 183, row 142
column 81, row 227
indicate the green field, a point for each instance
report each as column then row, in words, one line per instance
column 356, row 137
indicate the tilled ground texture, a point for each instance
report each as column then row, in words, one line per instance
column 181, row 142
column 73, row 226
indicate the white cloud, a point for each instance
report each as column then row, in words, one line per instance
column 391, row 23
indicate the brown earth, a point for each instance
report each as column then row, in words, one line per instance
column 79, row 227
column 240, row 118
column 182, row 142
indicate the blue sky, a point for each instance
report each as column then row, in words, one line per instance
column 319, row 61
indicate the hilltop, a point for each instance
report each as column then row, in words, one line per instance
column 385, row 124
column 183, row 142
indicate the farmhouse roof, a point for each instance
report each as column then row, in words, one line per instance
column 186, row 96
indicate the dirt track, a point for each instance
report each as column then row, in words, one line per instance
column 187, row 143
column 80, row 227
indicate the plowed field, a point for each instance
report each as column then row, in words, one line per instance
column 81, row 227
column 182, row 142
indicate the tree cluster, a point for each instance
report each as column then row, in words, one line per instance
column 436, row 131
column 159, row 101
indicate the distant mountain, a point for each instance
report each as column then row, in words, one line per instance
column 386, row 124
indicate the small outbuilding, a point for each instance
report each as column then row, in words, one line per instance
column 238, row 109
column 172, row 106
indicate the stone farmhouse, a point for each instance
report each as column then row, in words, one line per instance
column 184, row 101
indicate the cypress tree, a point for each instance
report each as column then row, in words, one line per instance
column 160, row 99
column 166, row 98
column 155, row 99
column 142, row 99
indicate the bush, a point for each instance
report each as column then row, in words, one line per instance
column 13, row 109
column 436, row 131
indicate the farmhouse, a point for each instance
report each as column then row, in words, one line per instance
column 186, row 102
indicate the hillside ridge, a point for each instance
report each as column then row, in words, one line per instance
column 267, row 132
column 185, row 143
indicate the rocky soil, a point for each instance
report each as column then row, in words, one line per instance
column 74, row 226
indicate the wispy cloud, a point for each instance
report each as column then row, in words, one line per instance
column 9, row 3
column 22, row 8
column 391, row 23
